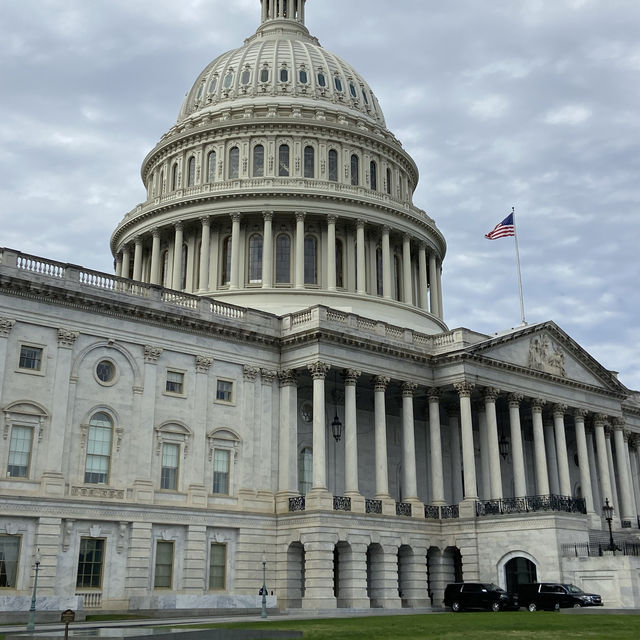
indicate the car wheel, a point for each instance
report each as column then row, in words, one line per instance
column 556, row 607
column 577, row 605
column 495, row 606
column 456, row 607
column 532, row 606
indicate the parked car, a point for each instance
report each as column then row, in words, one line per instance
column 477, row 595
column 553, row 596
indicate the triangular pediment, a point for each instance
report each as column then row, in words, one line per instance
column 545, row 349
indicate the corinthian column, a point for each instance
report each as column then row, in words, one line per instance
column 137, row 259
column 466, row 430
column 422, row 278
column 155, row 257
column 319, row 372
column 583, row 459
column 386, row 263
column 407, row 289
column 542, row 475
column 435, row 441
column 490, row 396
column 433, row 285
column 299, row 262
column 382, row 476
column 517, row 453
column 350, row 432
column 627, row 512
column 267, row 250
column 331, row 252
column 561, row 449
column 205, row 252
column 176, row 280
column 361, row 281
column 234, row 280
column 603, row 464
column 409, row 443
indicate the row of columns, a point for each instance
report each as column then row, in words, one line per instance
column 429, row 266
column 292, row 9
column 465, row 444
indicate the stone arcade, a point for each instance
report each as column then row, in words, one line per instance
column 269, row 371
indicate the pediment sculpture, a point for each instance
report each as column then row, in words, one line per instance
column 545, row 356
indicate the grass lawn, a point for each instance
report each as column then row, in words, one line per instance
column 486, row 626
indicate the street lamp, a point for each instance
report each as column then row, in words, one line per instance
column 31, row 625
column 607, row 510
column 264, row 586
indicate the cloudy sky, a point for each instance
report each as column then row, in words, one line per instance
column 526, row 103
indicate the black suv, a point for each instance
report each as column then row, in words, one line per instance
column 477, row 595
column 553, row 596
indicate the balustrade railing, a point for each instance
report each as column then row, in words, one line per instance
column 449, row 512
column 341, row 503
column 373, row 506
column 590, row 549
column 403, row 509
column 526, row 504
column 297, row 503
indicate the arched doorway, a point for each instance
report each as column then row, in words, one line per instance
column 295, row 587
column 519, row 571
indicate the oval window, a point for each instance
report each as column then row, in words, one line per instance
column 338, row 83
column 284, row 75
column 304, row 78
column 322, row 81
column 105, row 371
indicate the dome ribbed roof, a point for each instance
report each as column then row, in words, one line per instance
column 281, row 63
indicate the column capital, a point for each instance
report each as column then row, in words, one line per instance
column 137, row 241
column 618, row 423
column 380, row 383
column 67, row 337
column 626, row 434
column 267, row 215
column 515, row 399
column 580, row 413
column 608, row 430
column 6, row 324
column 434, row 394
column 288, row 378
column 236, row 216
column 360, row 223
column 422, row 245
column 599, row 419
column 463, row 388
column 490, row 394
column 178, row 226
column 300, row 216
column 155, row 232
column 351, row 376
column 409, row 389
column 203, row 363
column 537, row 404
column 152, row 353
column 331, row 219
column 559, row 409
column 250, row 373
column 205, row 220
column 386, row 229
column 319, row 370
column 268, row 375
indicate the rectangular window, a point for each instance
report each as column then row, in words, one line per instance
column 30, row 358
column 9, row 555
column 90, row 563
column 224, row 391
column 221, row 471
column 19, row 452
column 175, row 382
column 218, row 566
column 98, row 454
column 169, row 473
column 164, row 565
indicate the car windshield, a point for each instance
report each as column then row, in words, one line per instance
column 571, row 588
column 494, row 587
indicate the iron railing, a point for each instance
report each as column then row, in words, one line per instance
column 373, row 506
column 431, row 512
column 403, row 509
column 566, row 504
column 297, row 503
column 341, row 503
column 450, row 511
column 582, row 549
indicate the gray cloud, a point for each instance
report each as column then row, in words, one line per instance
column 501, row 103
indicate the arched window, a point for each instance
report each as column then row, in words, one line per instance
column 389, row 185
column 211, row 166
column 283, row 259
column 373, row 171
column 99, row 439
column 333, row 165
column 183, row 267
column 379, row 278
column 234, row 163
column 339, row 264
column 355, row 170
column 305, row 471
column 309, row 162
column 191, row 172
column 283, row 160
column 225, row 276
column 310, row 260
column 284, row 74
column 174, row 177
column 255, row 258
column 258, row 161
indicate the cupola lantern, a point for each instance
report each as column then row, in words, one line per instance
column 283, row 10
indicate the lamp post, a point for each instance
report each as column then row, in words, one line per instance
column 263, row 614
column 31, row 625
column 607, row 510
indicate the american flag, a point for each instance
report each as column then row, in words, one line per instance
column 502, row 229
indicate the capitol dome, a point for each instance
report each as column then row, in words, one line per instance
column 279, row 188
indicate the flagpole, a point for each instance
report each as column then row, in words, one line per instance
column 515, row 235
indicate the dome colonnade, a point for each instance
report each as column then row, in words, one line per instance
column 280, row 176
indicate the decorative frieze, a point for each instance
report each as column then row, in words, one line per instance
column 6, row 324
column 203, row 364
column 98, row 492
column 67, row 337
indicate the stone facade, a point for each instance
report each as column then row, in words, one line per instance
column 159, row 441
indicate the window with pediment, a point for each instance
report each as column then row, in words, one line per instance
column 24, row 426
column 172, row 445
column 224, row 446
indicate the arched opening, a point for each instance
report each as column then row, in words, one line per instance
column 309, row 162
column 211, row 166
column 255, row 259
column 174, row 177
column 295, row 586
column 355, row 170
column 373, row 171
column 234, row 163
column 283, row 259
column 405, row 559
column 310, row 260
column 283, row 160
column 375, row 575
column 343, row 575
column 225, row 274
column 258, row 161
column 339, row 264
column 191, row 172
column 517, row 571
column 333, row 165
column 305, row 471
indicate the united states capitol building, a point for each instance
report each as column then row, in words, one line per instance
column 268, row 377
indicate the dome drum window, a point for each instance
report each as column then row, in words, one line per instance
column 284, row 75
column 213, row 84
column 264, row 74
column 303, row 76
column 245, row 78
column 228, row 80
column 338, row 84
column 322, row 80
